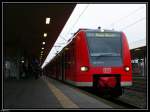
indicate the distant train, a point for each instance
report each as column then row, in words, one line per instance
column 96, row 59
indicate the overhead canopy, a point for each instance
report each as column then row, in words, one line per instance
column 24, row 25
column 140, row 52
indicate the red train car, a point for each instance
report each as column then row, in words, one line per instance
column 94, row 58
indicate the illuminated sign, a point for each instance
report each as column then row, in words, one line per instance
column 101, row 34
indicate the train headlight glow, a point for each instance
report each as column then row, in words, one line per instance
column 127, row 69
column 84, row 68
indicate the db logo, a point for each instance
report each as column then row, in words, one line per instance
column 106, row 70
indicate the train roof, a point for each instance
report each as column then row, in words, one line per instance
column 96, row 30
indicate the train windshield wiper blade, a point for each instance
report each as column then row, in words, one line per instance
column 105, row 54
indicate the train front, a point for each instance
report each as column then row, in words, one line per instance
column 110, row 62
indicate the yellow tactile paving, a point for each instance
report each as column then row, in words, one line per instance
column 62, row 98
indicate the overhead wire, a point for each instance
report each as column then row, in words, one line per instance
column 133, row 23
column 78, row 18
column 74, row 23
column 125, row 17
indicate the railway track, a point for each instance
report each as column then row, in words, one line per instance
column 116, row 101
column 121, row 103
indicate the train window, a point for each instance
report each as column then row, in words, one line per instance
column 105, row 51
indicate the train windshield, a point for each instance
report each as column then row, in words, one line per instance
column 105, row 48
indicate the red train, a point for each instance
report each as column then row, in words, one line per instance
column 94, row 58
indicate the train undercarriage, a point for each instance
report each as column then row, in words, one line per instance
column 107, row 85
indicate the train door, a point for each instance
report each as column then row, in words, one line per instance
column 60, row 67
column 63, row 66
column 66, row 63
column 72, row 62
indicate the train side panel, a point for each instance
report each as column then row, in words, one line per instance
column 83, row 78
column 70, row 63
column 126, row 79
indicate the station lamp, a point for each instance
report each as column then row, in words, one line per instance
column 41, row 57
column 48, row 20
column 137, row 49
column 45, row 34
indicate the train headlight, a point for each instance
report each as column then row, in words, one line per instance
column 127, row 69
column 84, row 68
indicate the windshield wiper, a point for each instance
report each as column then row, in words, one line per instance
column 105, row 54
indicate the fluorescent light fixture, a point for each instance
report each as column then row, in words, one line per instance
column 45, row 34
column 43, row 43
column 48, row 20
column 137, row 49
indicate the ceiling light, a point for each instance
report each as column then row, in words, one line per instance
column 43, row 43
column 45, row 34
column 48, row 20
column 42, row 47
column 41, row 51
column 137, row 49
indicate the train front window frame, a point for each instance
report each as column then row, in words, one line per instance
column 102, row 57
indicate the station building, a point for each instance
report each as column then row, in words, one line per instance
column 138, row 50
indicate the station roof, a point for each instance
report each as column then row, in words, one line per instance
column 24, row 26
column 138, row 49
column 137, row 44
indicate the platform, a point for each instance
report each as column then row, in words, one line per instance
column 46, row 93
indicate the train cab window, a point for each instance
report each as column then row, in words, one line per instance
column 105, row 48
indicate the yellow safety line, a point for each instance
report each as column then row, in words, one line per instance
column 62, row 98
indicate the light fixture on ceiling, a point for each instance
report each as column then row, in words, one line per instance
column 48, row 20
column 43, row 43
column 45, row 34
column 42, row 48
column 137, row 49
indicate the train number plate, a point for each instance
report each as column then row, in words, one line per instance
column 106, row 70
